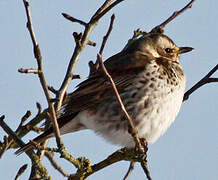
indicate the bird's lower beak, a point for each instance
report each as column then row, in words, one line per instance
column 185, row 49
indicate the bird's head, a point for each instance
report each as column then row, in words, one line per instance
column 159, row 45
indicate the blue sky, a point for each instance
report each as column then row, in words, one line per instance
column 189, row 148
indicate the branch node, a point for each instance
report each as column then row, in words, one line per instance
column 34, row 71
column 34, row 128
column 76, row 76
column 25, row 117
column 53, row 90
column 91, row 43
column 37, row 52
column 77, row 38
column 38, row 105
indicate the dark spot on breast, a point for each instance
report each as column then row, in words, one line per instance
column 174, row 79
column 147, row 74
column 143, row 81
column 146, row 103
column 171, row 71
column 151, row 85
column 164, row 73
column 155, row 66
column 153, row 72
column 145, row 114
column 153, row 79
column 160, row 77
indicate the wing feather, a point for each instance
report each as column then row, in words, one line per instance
column 94, row 90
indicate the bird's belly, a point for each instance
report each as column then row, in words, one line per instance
column 151, row 120
column 157, row 119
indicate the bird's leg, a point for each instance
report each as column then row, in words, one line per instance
column 144, row 144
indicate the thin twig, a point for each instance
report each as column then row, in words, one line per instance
column 38, row 57
column 34, row 71
column 50, row 157
column 8, row 130
column 131, row 168
column 22, row 131
column 39, row 107
column 105, row 38
column 160, row 27
column 145, row 168
column 34, row 128
column 31, row 154
column 206, row 79
column 42, row 148
column 20, row 171
column 91, row 43
column 102, row 11
column 52, row 89
column 107, row 5
column 72, row 19
column 122, row 154
column 133, row 130
column 108, row 76
column 24, row 118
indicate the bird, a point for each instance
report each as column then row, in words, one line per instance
column 150, row 82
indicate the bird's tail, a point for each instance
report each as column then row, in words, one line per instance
column 41, row 138
column 49, row 132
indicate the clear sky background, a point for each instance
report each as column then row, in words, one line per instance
column 189, row 149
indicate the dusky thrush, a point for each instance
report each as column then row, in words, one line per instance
column 151, row 84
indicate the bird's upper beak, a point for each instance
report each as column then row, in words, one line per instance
column 185, row 49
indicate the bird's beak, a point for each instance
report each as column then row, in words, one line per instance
column 185, row 49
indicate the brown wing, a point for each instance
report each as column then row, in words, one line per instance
column 122, row 67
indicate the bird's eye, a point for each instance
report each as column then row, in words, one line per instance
column 168, row 50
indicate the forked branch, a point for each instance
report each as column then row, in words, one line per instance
column 205, row 80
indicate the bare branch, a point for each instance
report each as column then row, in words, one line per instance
column 39, row 107
column 160, row 27
column 34, row 128
column 145, row 168
column 205, row 80
column 131, row 168
column 24, row 118
column 103, row 10
column 20, row 171
column 42, row 148
column 122, row 154
column 11, row 133
column 72, row 19
column 108, row 76
column 132, row 130
column 50, row 157
column 107, row 5
column 107, row 34
column 52, row 89
column 91, row 43
column 35, row 160
column 38, row 57
column 34, row 71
